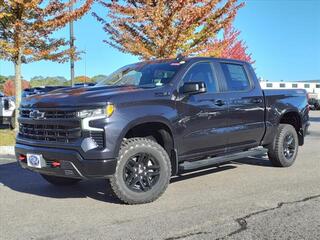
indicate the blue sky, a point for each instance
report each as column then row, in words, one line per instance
column 282, row 35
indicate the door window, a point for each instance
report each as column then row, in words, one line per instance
column 202, row 72
column 236, row 77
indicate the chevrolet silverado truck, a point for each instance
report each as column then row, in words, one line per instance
column 152, row 120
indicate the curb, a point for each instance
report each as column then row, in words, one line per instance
column 7, row 150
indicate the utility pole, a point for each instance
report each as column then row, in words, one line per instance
column 71, row 47
column 85, row 63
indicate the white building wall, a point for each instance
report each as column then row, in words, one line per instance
column 311, row 87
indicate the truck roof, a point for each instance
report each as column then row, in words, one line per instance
column 192, row 59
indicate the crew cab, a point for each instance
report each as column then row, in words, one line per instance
column 151, row 120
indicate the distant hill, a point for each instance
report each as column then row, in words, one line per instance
column 39, row 81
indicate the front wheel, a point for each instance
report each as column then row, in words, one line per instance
column 143, row 171
column 283, row 151
column 60, row 181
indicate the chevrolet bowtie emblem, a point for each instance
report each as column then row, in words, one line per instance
column 36, row 114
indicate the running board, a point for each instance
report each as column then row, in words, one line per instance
column 222, row 159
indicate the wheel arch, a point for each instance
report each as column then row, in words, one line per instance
column 294, row 119
column 159, row 129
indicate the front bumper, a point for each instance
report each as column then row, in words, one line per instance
column 72, row 164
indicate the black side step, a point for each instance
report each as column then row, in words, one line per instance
column 221, row 159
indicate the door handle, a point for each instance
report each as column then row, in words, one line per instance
column 219, row 102
column 257, row 100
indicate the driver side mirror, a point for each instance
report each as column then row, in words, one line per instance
column 194, row 88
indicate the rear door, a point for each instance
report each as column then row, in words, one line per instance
column 246, row 106
column 203, row 116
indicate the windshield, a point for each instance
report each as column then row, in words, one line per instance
column 143, row 74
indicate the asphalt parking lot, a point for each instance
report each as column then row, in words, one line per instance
column 246, row 199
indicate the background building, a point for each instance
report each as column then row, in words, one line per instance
column 312, row 86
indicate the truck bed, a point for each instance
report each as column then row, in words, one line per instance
column 281, row 101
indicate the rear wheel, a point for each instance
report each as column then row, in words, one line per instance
column 60, row 181
column 284, row 150
column 143, row 171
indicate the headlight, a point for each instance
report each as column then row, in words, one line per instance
column 107, row 111
column 90, row 113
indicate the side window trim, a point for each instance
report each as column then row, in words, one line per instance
column 225, row 86
column 214, row 73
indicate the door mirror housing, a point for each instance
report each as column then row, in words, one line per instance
column 194, row 88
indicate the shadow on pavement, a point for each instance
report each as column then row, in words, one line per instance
column 262, row 161
column 22, row 180
column 25, row 181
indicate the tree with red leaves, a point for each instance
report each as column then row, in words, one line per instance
column 229, row 47
column 163, row 29
column 9, row 87
column 26, row 32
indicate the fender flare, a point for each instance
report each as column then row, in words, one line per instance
column 142, row 120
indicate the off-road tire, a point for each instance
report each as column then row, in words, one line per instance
column 276, row 149
column 129, row 148
column 60, row 181
column 12, row 123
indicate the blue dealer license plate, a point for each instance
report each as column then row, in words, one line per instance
column 35, row 160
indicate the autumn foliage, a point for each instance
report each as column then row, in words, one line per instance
column 229, row 47
column 9, row 88
column 26, row 28
column 82, row 79
column 162, row 29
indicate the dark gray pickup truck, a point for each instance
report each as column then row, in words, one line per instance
column 151, row 120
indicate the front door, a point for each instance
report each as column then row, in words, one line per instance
column 203, row 117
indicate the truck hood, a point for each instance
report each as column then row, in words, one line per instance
column 77, row 97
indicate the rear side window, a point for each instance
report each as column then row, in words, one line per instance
column 236, row 77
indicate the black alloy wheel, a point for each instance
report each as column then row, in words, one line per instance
column 141, row 172
column 284, row 149
column 289, row 146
